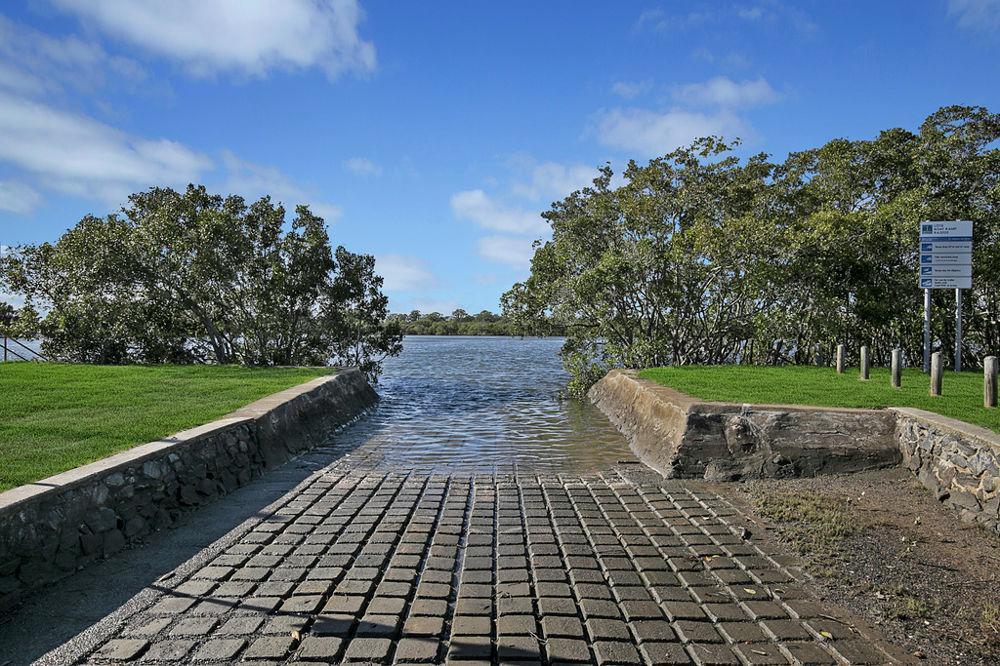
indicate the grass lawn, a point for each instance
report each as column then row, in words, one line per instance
column 55, row 417
column 803, row 385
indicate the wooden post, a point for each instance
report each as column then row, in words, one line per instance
column 937, row 370
column 840, row 359
column 990, row 381
column 897, row 368
column 864, row 362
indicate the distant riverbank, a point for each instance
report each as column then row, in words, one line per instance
column 461, row 323
column 478, row 335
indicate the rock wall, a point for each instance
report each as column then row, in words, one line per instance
column 682, row 437
column 53, row 527
column 959, row 462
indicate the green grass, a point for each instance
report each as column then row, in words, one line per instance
column 55, row 417
column 802, row 385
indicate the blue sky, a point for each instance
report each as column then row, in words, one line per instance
column 432, row 134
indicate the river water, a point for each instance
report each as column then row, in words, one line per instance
column 480, row 404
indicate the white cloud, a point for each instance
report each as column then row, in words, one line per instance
column 363, row 166
column 710, row 15
column 978, row 15
column 78, row 155
column 479, row 207
column 724, row 92
column 515, row 252
column 631, row 89
column 17, row 197
column 17, row 80
column 660, row 21
column 653, row 132
column 750, row 13
column 429, row 305
column 554, row 180
column 253, row 181
column 244, row 36
column 731, row 60
column 705, row 109
column 403, row 273
column 33, row 63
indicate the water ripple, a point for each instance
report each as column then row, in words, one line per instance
column 480, row 404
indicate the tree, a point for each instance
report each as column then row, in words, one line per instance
column 359, row 309
column 658, row 270
column 702, row 257
column 195, row 277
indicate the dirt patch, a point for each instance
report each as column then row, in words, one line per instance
column 881, row 545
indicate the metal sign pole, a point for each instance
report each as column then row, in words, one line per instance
column 958, row 330
column 927, row 330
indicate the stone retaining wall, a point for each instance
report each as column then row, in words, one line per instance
column 682, row 437
column 51, row 528
column 957, row 461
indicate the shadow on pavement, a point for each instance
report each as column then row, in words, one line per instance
column 55, row 614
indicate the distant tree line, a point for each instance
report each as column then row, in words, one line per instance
column 703, row 257
column 460, row 322
column 193, row 277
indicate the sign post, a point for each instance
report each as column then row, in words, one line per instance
column 927, row 330
column 958, row 330
column 945, row 263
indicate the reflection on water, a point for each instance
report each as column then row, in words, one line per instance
column 480, row 404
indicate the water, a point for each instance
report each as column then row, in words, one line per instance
column 480, row 404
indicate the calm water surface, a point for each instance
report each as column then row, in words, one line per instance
column 480, row 404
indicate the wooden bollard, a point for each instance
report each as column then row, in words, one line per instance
column 840, row 359
column 897, row 368
column 990, row 381
column 937, row 371
column 865, row 365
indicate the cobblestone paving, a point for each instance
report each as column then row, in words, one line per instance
column 392, row 567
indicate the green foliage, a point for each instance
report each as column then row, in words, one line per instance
column 55, row 417
column 702, row 258
column 194, row 277
column 804, row 385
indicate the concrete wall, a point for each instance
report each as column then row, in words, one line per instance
column 957, row 461
column 50, row 528
column 682, row 437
